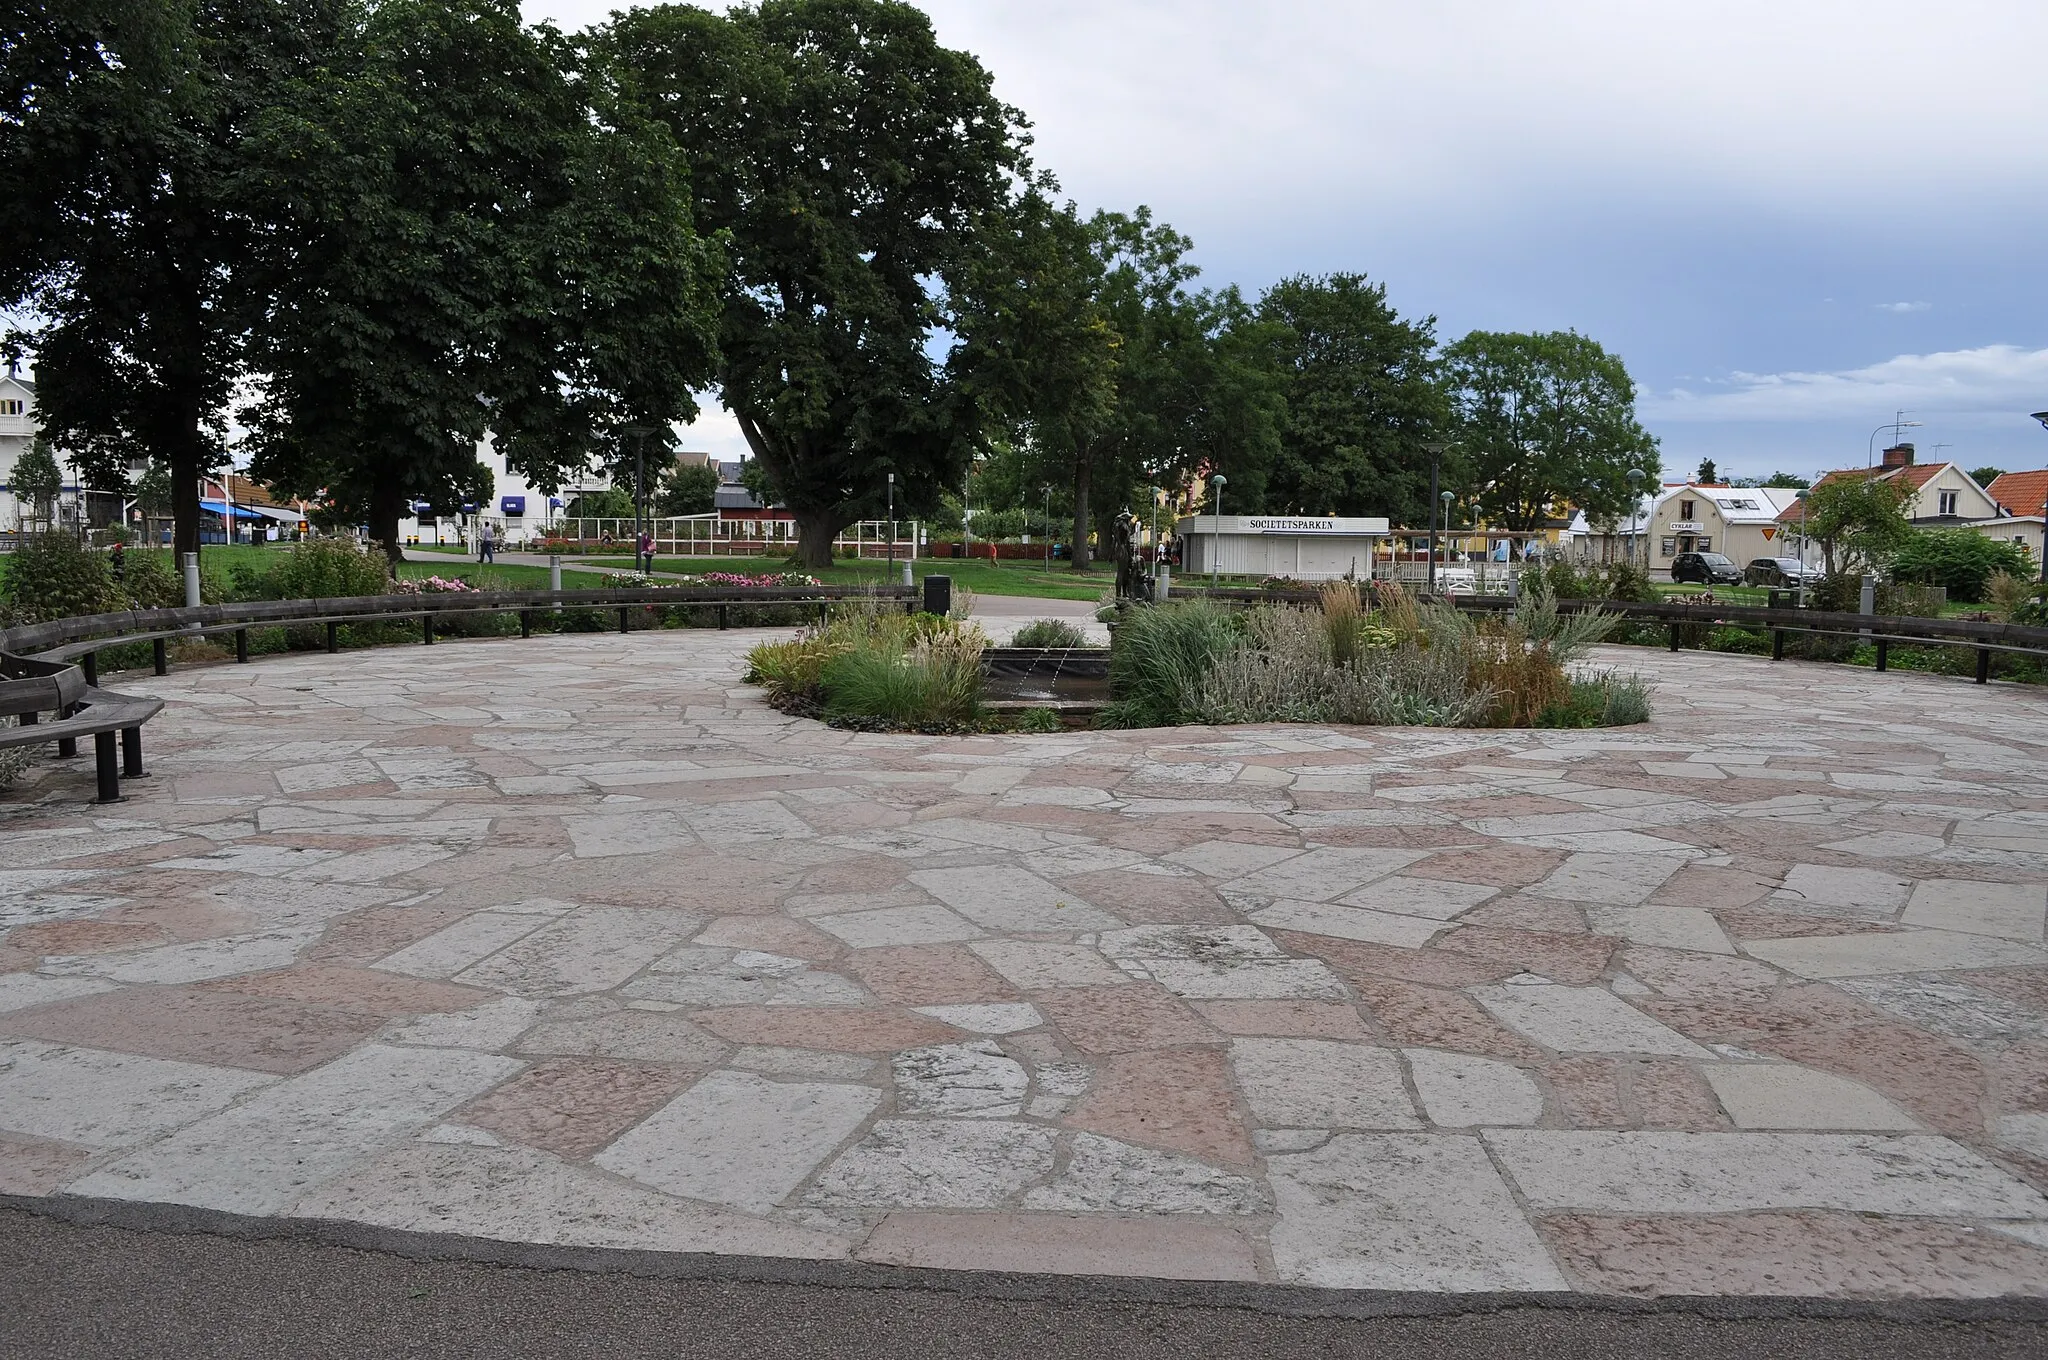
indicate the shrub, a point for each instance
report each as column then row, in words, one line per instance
column 150, row 581
column 328, row 568
column 1048, row 633
column 54, row 576
column 1161, row 656
column 1961, row 560
column 1748, row 641
column 877, row 669
column 2009, row 595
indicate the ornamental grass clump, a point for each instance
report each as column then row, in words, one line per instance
column 878, row 670
column 1401, row 663
column 1048, row 633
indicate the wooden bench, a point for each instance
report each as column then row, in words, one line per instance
column 77, row 709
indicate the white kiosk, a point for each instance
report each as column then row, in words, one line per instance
column 1300, row 547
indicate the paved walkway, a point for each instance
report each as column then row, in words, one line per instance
column 575, row 941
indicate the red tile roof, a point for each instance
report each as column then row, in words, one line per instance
column 2023, row 493
column 1915, row 475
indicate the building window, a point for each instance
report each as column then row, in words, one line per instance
column 1669, row 547
column 1685, row 510
column 1948, row 502
column 1706, row 545
column 11, row 406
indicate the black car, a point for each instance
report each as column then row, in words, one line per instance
column 1707, row 568
column 1775, row 571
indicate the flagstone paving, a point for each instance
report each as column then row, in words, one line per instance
column 576, row 941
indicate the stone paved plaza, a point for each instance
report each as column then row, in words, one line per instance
column 576, row 941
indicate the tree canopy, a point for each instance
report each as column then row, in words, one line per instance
column 854, row 164
column 1858, row 520
column 1546, row 421
column 473, row 238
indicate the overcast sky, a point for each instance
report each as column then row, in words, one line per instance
column 1790, row 217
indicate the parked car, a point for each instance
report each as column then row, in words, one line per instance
column 1776, row 571
column 1707, row 568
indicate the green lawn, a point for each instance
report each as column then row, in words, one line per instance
column 983, row 578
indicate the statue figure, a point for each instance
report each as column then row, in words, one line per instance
column 1130, row 579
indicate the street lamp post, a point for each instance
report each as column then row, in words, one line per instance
column 1218, row 481
column 1636, row 478
column 1803, row 545
column 639, row 435
column 1436, row 449
column 1444, row 498
column 1047, row 489
column 892, row 527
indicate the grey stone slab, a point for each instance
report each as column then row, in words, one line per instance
column 109, row 1100
column 653, row 832
column 1349, row 923
column 971, row 1081
column 1912, row 951
column 590, row 950
column 1321, row 1084
column 18, row 991
column 1785, row 1096
column 491, row 1025
column 1617, row 880
column 739, row 1139
column 1582, row 1020
column 520, row 1195
column 927, row 923
column 1947, row 1007
column 455, row 947
column 2013, row 911
column 754, row 821
column 1103, row 1175
column 1322, row 875
column 263, row 1154
column 1402, row 1211
column 1436, row 899
column 1012, row 899
column 1917, row 1175
column 1834, row 890
column 1031, row 966
column 1462, row 1090
column 998, row 1017
column 938, row 1164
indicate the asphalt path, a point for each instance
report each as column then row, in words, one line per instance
column 211, row 1286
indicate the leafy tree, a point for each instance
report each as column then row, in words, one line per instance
column 37, row 481
column 1544, row 418
column 1361, row 398
column 153, row 494
column 1858, row 521
column 754, row 477
column 121, row 127
column 1788, row 480
column 477, row 238
column 1985, row 476
column 687, row 489
column 1708, row 475
column 856, row 165
column 612, row 504
column 1960, row 559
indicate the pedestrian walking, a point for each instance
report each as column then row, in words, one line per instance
column 120, row 561
column 643, row 552
column 486, row 544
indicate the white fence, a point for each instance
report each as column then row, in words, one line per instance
column 713, row 535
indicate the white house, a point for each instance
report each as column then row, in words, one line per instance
column 18, row 429
column 517, row 510
column 1740, row 522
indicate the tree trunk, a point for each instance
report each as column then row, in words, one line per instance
column 186, row 466
column 1079, row 557
column 387, row 507
column 815, row 531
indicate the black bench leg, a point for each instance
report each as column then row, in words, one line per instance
column 333, row 637
column 109, row 767
column 1674, row 637
column 526, row 623
column 1983, row 665
column 724, row 618
column 90, row 664
column 622, row 620
column 1777, row 644
column 67, row 747
column 131, row 753
column 242, row 645
column 1884, row 652
column 159, row 656
column 427, row 629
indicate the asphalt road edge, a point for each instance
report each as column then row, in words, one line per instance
column 1294, row 1301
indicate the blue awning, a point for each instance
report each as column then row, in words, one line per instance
column 512, row 505
column 220, row 508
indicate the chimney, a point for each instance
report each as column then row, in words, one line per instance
column 1898, row 456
